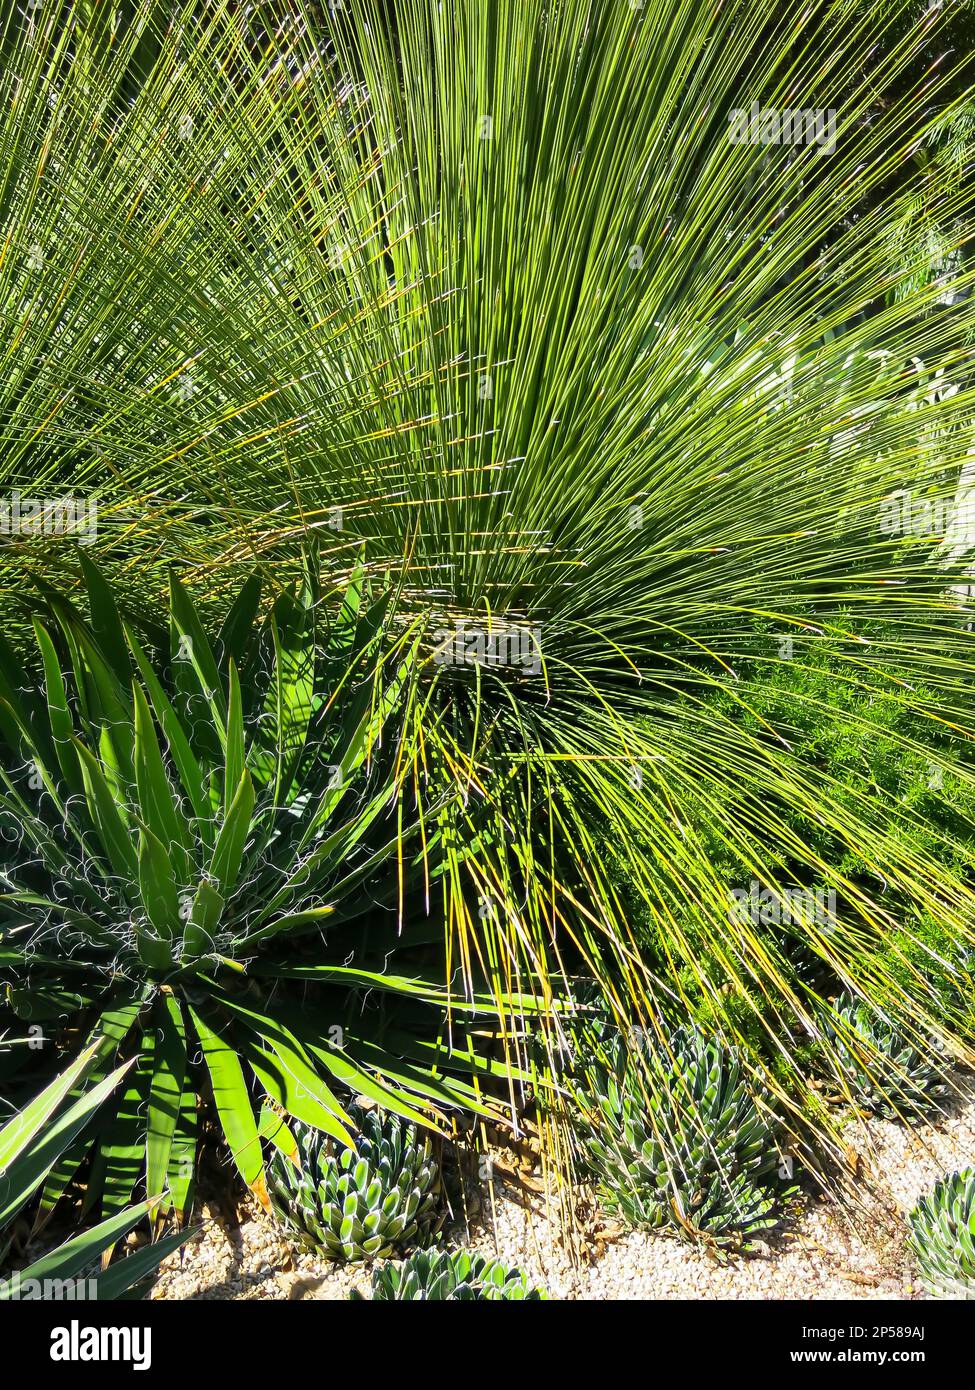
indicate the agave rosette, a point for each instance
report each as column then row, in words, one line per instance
column 364, row 1202
column 176, row 811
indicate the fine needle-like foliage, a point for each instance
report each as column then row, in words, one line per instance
column 531, row 297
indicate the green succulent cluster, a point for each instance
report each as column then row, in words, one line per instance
column 362, row 1202
column 673, row 1136
column 444, row 1275
column 942, row 1236
column 886, row 1071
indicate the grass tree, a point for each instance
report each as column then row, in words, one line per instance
column 613, row 332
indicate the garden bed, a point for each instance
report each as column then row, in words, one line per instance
column 487, row 534
column 826, row 1253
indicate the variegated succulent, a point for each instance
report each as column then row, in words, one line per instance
column 942, row 1237
column 356, row 1204
column 444, row 1275
column 671, row 1135
column 887, row 1072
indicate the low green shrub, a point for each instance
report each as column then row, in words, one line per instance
column 835, row 715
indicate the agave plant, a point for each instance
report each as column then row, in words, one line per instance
column 671, row 1136
column 508, row 292
column 30, row 1144
column 883, row 1065
column 362, row 1202
column 942, row 1236
column 445, row 1275
column 176, row 814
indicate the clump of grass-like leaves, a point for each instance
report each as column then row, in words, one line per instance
column 490, row 289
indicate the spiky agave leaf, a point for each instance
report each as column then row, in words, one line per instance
column 31, row 1143
column 883, row 1070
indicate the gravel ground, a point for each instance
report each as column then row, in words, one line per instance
column 825, row 1253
